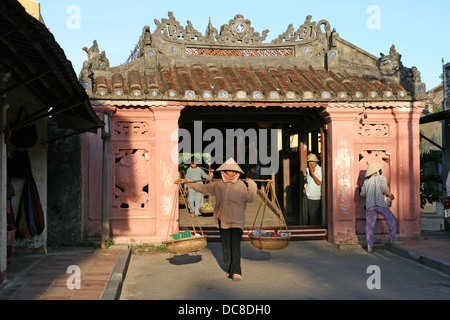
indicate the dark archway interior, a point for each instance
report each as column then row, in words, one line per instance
column 297, row 131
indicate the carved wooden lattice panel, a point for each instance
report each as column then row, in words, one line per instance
column 374, row 130
column 131, row 167
column 127, row 129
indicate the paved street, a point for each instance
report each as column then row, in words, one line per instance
column 305, row 270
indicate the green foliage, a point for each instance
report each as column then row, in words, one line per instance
column 184, row 159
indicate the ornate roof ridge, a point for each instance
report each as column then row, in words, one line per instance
column 238, row 31
column 311, row 63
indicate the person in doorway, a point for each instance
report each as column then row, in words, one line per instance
column 374, row 189
column 313, row 191
column 232, row 196
column 195, row 198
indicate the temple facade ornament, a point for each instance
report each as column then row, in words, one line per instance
column 96, row 60
column 391, row 63
column 391, row 66
column 306, row 32
column 237, row 31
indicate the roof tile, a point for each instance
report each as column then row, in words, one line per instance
column 199, row 78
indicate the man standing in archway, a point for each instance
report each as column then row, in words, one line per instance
column 313, row 191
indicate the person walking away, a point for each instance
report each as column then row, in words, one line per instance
column 313, row 191
column 375, row 189
column 232, row 196
column 195, row 198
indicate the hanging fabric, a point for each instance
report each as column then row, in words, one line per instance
column 30, row 219
column 21, row 221
column 38, row 213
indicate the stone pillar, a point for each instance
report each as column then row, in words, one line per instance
column 408, row 171
column 166, row 124
column 341, row 127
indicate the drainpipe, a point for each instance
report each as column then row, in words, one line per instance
column 106, row 135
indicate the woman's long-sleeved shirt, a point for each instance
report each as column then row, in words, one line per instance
column 196, row 174
column 374, row 190
column 231, row 200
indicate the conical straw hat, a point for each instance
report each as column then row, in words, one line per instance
column 230, row 165
column 374, row 167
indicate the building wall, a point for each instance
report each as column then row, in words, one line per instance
column 140, row 149
column 65, row 191
column 385, row 134
column 142, row 174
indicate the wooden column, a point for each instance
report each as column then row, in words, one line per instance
column 287, row 191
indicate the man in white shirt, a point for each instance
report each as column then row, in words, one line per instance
column 313, row 191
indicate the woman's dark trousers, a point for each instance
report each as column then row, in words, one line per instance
column 231, row 249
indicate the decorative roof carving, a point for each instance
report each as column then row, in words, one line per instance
column 171, row 29
column 391, row 63
column 307, row 31
column 96, row 60
column 240, row 30
column 310, row 63
column 237, row 31
column 391, row 66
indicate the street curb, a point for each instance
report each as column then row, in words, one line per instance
column 114, row 286
column 435, row 263
column 425, row 259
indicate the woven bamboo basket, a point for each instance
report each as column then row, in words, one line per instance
column 209, row 211
column 186, row 245
column 269, row 243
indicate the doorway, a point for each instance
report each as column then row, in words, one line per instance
column 297, row 131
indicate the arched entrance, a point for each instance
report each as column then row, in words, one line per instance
column 290, row 134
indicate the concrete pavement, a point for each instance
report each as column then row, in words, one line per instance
column 305, row 270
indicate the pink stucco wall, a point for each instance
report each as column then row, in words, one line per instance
column 142, row 171
column 142, row 174
column 358, row 135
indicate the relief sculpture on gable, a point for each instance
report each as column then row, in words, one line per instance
column 131, row 178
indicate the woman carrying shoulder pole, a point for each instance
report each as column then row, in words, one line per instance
column 232, row 196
